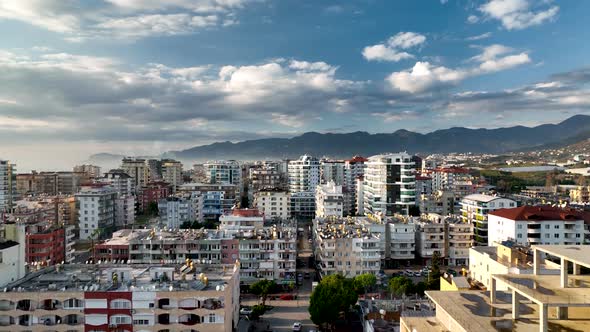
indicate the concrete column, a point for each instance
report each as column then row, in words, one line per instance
column 563, row 278
column 543, row 317
column 576, row 269
column 515, row 304
column 536, row 262
column 493, row 291
column 562, row 313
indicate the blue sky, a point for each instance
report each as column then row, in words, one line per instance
column 144, row 77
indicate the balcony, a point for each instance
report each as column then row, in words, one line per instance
column 189, row 319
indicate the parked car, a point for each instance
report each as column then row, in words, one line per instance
column 306, row 275
column 287, row 297
column 245, row 311
column 408, row 273
column 417, row 274
column 296, row 327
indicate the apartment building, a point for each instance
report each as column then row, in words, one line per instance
column 154, row 170
column 12, row 254
column 51, row 183
column 534, row 225
column 92, row 170
column 346, row 247
column 447, row 236
column 354, row 169
column 332, row 170
column 460, row 239
column 224, row 172
column 475, row 209
column 217, row 198
column 138, row 170
column 125, row 210
column 266, row 175
column 96, row 211
column 273, row 203
column 175, row 210
column 304, row 174
column 389, row 184
column 264, row 251
column 123, row 183
column 8, row 193
column 439, row 202
column 445, row 178
column 111, row 297
column 153, row 192
column 303, row 204
column 329, row 200
column 172, row 173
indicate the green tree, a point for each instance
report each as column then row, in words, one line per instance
column 186, row 225
column 262, row 288
column 400, row 285
column 334, row 295
column 433, row 282
column 152, row 209
column 257, row 311
column 364, row 282
column 420, row 288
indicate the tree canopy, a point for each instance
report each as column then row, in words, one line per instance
column 332, row 296
column 263, row 288
column 401, row 285
column 364, row 282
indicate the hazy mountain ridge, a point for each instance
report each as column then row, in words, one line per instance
column 456, row 139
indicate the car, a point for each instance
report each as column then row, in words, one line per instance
column 408, row 273
column 297, row 326
column 245, row 311
column 417, row 274
column 306, row 275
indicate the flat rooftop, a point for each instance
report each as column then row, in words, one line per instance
column 473, row 311
column 99, row 277
column 579, row 254
column 547, row 288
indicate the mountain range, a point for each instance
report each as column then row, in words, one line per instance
column 456, row 139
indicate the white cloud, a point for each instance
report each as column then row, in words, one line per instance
column 81, row 20
column 479, row 37
column 392, row 49
column 472, row 19
column 519, row 14
column 425, row 76
column 294, row 121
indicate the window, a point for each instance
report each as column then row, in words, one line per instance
column 120, row 319
column 121, row 304
column 519, row 236
column 547, row 226
column 211, row 318
column 141, row 322
column 519, row 226
column 547, row 235
column 556, row 235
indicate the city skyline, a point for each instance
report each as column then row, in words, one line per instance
column 145, row 77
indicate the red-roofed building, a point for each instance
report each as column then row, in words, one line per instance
column 535, row 225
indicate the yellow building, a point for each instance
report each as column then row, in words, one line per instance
column 451, row 283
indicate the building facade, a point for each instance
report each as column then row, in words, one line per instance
column 304, row 174
column 475, row 209
column 8, row 193
column 273, row 203
column 389, row 184
column 96, row 211
column 172, row 173
column 329, row 200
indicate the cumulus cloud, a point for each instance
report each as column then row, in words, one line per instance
column 392, row 50
column 425, row 76
column 81, row 20
column 519, row 14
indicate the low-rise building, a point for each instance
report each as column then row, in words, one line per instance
column 532, row 225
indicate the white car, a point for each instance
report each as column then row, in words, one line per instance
column 245, row 311
column 296, row 326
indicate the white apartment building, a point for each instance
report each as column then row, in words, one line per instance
column 96, row 210
column 536, row 225
column 125, row 210
column 329, row 200
column 273, row 203
column 172, row 173
column 445, row 178
column 389, row 184
column 8, row 193
column 123, row 183
column 475, row 209
column 430, row 238
column 304, row 174
column 346, row 247
column 174, row 211
column 138, row 170
column 224, row 172
column 460, row 239
column 332, row 170
column 354, row 169
column 400, row 245
column 11, row 269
